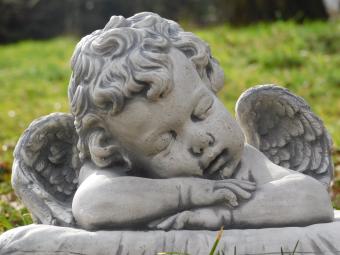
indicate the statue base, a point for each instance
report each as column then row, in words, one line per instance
column 48, row 240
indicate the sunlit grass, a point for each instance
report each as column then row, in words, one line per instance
column 33, row 77
column 303, row 58
column 213, row 250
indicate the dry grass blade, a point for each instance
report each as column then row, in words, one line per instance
column 296, row 245
column 218, row 238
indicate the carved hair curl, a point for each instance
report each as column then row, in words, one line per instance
column 128, row 57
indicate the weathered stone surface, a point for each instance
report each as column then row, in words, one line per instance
column 44, row 239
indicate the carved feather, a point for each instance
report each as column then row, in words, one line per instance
column 45, row 170
column 286, row 130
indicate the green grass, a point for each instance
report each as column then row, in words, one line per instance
column 304, row 58
column 212, row 251
column 33, row 82
column 221, row 252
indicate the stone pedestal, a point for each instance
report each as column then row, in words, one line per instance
column 48, row 240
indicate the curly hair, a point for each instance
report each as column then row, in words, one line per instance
column 128, row 57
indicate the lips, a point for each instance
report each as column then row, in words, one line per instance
column 215, row 166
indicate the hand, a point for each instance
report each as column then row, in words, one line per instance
column 211, row 218
column 203, row 192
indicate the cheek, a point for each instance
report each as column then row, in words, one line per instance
column 175, row 164
column 228, row 132
column 160, row 166
column 234, row 130
column 228, row 125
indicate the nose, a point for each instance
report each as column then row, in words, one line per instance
column 199, row 141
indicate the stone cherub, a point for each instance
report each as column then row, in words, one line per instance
column 150, row 146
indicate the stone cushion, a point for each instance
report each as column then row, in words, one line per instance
column 45, row 239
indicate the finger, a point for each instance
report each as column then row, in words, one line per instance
column 167, row 224
column 237, row 181
column 245, row 185
column 181, row 220
column 153, row 224
column 238, row 190
column 226, row 195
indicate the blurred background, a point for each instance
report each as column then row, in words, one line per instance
column 46, row 18
column 293, row 43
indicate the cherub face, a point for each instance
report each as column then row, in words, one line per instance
column 186, row 133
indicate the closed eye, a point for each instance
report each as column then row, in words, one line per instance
column 165, row 140
column 202, row 109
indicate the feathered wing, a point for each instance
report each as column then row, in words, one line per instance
column 45, row 169
column 283, row 127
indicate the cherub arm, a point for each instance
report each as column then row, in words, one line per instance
column 274, row 204
column 282, row 198
column 107, row 201
column 294, row 200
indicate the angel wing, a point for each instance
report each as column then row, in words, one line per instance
column 45, row 169
column 283, row 127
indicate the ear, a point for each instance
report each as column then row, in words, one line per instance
column 105, row 151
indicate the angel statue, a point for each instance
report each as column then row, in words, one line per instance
column 149, row 146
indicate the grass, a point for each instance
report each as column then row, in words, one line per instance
column 304, row 58
column 221, row 252
column 212, row 251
